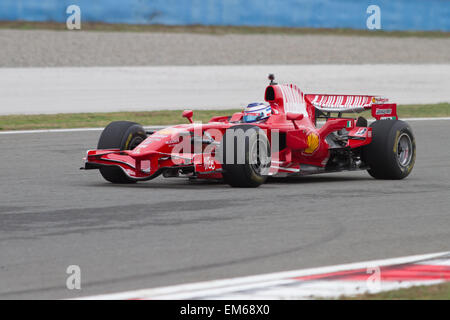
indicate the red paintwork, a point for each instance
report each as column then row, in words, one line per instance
column 305, row 142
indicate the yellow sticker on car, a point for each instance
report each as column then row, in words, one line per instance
column 313, row 143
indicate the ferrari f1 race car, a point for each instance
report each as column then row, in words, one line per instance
column 290, row 134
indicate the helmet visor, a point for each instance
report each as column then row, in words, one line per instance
column 251, row 117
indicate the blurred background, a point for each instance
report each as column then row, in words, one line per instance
column 149, row 55
column 397, row 15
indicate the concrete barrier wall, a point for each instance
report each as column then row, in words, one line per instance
column 395, row 14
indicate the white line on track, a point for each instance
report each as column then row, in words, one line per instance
column 161, row 126
column 228, row 286
column 426, row 119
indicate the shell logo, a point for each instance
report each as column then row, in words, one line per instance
column 166, row 131
column 313, row 143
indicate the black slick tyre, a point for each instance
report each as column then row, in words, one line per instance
column 123, row 135
column 392, row 152
column 245, row 155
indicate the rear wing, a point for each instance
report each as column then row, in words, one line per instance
column 328, row 103
column 385, row 111
column 289, row 98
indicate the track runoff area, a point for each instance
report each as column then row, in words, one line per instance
column 329, row 282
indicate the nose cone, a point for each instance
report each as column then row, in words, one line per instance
column 161, row 141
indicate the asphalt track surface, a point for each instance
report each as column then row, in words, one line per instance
column 171, row 231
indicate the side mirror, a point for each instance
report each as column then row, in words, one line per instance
column 293, row 117
column 188, row 114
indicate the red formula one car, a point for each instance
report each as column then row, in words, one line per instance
column 302, row 134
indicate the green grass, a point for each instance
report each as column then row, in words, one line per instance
column 218, row 30
column 85, row 120
column 434, row 292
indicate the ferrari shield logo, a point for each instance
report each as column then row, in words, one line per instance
column 313, row 143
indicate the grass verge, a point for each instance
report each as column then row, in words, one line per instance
column 217, row 30
column 85, row 120
column 434, row 292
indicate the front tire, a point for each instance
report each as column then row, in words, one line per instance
column 245, row 155
column 123, row 135
column 392, row 152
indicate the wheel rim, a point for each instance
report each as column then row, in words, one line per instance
column 404, row 150
column 135, row 142
column 258, row 157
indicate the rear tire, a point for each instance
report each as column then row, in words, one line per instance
column 249, row 164
column 123, row 135
column 392, row 152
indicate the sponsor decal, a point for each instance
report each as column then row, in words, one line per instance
column 172, row 141
column 313, row 143
column 146, row 166
column 379, row 112
column 341, row 102
column 361, row 131
column 209, row 163
column 379, row 100
column 164, row 132
column 144, row 144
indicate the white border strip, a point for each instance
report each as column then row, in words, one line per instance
column 226, row 285
column 425, row 119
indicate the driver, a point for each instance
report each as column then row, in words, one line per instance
column 256, row 112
